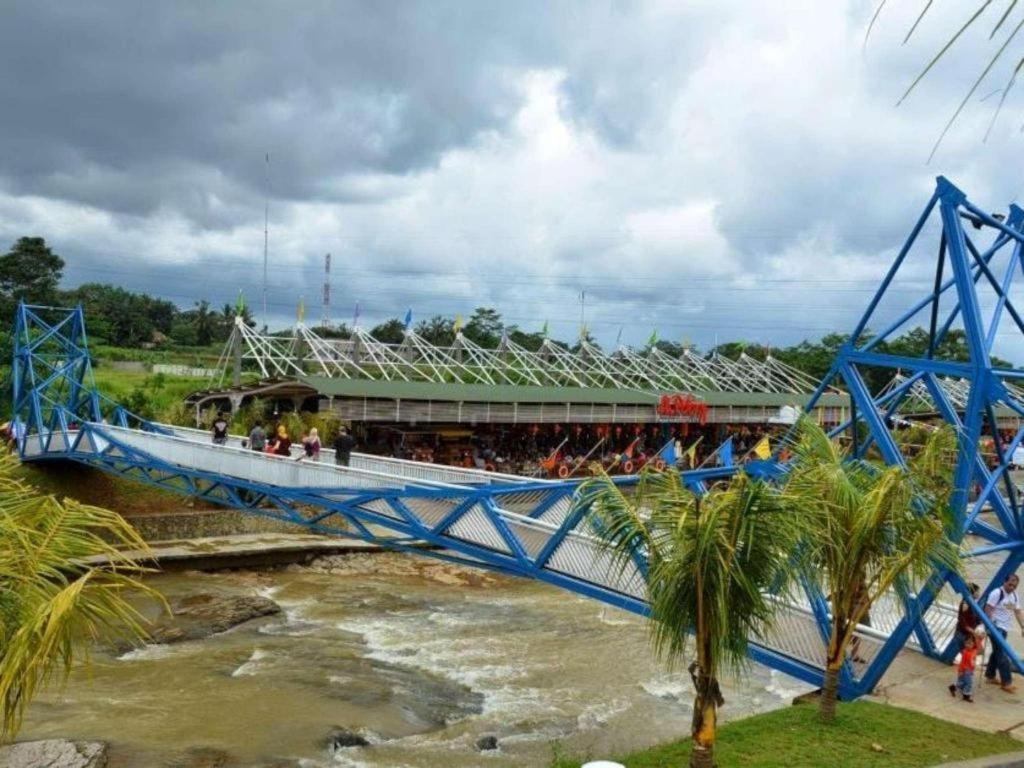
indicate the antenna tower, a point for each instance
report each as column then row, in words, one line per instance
column 325, row 320
column 266, row 231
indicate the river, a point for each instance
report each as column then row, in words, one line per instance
column 420, row 657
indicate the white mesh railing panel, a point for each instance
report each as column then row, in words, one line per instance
column 430, row 512
column 585, row 559
column 474, row 526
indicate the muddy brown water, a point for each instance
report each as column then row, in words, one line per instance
column 421, row 658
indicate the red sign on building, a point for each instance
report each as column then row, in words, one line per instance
column 683, row 405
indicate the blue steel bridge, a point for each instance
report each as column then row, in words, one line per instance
column 539, row 529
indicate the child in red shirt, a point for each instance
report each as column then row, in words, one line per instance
column 965, row 669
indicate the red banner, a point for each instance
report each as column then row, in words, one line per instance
column 683, row 405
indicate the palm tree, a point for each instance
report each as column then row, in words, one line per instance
column 711, row 561
column 868, row 527
column 53, row 604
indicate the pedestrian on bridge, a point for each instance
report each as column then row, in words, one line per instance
column 344, row 443
column 1002, row 604
column 220, row 429
column 257, row 437
column 282, row 445
column 310, row 446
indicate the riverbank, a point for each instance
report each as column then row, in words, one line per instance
column 865, row 735
column 426, row 661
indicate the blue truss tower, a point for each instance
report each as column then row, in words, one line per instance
column 972, row 272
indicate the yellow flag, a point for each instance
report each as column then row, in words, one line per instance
column 763, row 449
column 302, row 310
column 691, row 452
column 458, row 324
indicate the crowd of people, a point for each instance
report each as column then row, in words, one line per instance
column 277, row 442
column 544, row 449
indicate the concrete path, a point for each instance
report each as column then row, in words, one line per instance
column 921, row 684
column 251, row 550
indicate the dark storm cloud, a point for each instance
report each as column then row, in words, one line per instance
column 656, row 154
column 131, row 106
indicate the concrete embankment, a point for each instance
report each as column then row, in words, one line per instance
column 205, row 540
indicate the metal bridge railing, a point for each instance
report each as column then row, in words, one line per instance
column 250, row 465
column 413, row 470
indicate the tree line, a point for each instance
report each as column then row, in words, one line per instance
column 30, row 271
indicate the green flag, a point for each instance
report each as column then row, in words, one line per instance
column 544, row 330
column 240, row 304
column 653, row 338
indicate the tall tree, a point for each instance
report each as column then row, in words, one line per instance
column 868, row 526
column 712, row 562
column 52, row 607
column 390, row 331
column 530, row 341
column 30, row 272
column 205, row 322
column 484, row 327
column 437, row 330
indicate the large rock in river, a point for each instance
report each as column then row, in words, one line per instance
column 204, row 614
column 54, row 753
column 343, row 738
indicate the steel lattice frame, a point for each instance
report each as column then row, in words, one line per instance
column 966, row 395
column 416, row 359
column 539, row 529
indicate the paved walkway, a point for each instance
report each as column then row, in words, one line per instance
column 920, row 684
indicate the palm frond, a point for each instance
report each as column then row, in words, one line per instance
column 53, row 603
column 917, row 21
column 974, row 87
column 945, row 48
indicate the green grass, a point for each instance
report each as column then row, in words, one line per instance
column 161, row 392
column 794, row 738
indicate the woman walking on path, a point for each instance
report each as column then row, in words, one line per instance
column 966, row 619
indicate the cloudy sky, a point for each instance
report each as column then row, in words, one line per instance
column 714, row 169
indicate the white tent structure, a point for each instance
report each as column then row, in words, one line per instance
column 306, row 352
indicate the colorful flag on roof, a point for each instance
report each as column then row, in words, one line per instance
column 691, row 452
column 458, row 324
column 302, row 309
column 653, row 339
column 725, row 453
column 408, row 319
column 669, row 454
column 763, row 449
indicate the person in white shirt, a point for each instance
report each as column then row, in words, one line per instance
column 1003, row 604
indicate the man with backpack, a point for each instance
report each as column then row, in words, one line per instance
column 1002, row 604
column 257, row 437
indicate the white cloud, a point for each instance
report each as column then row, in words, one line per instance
column 678, row 164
